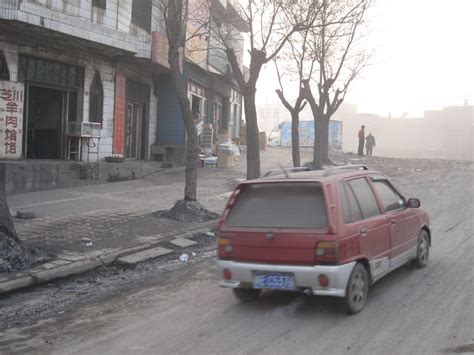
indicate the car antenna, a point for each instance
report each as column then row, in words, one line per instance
column 284, row 170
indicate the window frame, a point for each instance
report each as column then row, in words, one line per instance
column 136, row 16
column 375, row 179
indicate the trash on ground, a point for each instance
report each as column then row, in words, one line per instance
column 193, row 254
column 211, row 234
column 89, row 244
column 184, row 257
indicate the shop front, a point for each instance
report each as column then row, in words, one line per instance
column 52, row 94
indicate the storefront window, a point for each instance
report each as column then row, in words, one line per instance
column 198, row 99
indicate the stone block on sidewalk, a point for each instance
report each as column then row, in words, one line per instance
column 183, row 242
column 25, row 215
column 67, row 270
column 144, row 255
column 15, row 284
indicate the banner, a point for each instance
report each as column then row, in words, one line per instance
column 12, row 97
column 306, row 134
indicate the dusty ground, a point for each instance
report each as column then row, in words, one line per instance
column 173, row 307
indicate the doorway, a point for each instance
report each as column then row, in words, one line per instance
column 44, row 123
column 133, row 133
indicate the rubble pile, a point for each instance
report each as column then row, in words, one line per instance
column 188, row 211
column 14, row 257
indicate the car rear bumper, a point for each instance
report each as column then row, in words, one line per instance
column 306, row 277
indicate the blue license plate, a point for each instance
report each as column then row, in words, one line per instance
column 272, row 280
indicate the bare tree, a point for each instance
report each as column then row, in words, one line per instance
column 177, row 19
column 339, row 59
column 294, row 59
column 269, row 30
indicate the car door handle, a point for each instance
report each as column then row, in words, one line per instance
column 393, row 221
column 363, row 232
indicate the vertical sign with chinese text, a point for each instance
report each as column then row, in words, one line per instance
column 12, row 96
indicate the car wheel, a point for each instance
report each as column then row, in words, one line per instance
column 357, row 289
column 422, row 250
column 247, row 294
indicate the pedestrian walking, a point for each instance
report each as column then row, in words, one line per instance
column 370, row 144
column 361, row 136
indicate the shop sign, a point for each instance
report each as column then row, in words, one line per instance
column 12, row 96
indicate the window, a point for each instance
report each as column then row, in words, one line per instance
column 391, row 199
column 4, row 72
column 96, row 100
column 48, row 72
column 141, row 14
column 364, row 197
column 280, row 205
column 101, row 4
column 345, row 203
column 198, row 100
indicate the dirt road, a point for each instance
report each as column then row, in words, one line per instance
column 411, row 311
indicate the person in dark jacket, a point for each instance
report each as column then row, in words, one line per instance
column 370, row 144
column 361, row 136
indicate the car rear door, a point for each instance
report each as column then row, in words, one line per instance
column 277, row 222
column 403, row 222
column 372, row 227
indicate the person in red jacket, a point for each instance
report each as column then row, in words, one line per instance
column 361, row 136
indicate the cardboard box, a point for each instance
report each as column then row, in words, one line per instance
column 225, row 159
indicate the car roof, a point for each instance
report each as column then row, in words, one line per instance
column 325, row 175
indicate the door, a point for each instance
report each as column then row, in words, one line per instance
column 401, row 219
column 277, row 223
column 45, row 123
column 372, row 227
column 133, row 133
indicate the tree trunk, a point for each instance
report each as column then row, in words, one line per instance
column 318, row 160
column 325, row 141
column 253, row 149
column 192, row 148
column 295, row 138
column 12, row 254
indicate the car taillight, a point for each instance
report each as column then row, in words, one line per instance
column 224, row 248
column 323, row 280
column 227, row 274
column 326, row 253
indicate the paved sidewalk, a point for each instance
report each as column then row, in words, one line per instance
column 84, row 227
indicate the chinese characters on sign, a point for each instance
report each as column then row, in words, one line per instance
column 11, row 119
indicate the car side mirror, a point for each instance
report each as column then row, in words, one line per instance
column 413, row 203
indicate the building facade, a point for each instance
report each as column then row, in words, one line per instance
column 88, row 79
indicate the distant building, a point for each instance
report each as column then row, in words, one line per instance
column 85, row 70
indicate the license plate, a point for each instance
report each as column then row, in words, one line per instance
column 276, row 281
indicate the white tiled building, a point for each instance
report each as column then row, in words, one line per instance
column 88, row 61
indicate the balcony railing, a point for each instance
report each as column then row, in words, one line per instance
column 75, row 21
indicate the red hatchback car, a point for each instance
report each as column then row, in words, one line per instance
column 332, row 232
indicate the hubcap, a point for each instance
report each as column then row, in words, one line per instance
column 357, row 289
column 423, row 249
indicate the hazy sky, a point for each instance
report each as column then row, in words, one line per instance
column 424, row 58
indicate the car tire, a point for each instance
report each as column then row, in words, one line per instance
column 422, row 250
column 246, row 294
column 357, row 289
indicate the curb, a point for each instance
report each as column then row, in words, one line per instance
column 39, row 275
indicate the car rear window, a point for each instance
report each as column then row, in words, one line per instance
column 279, row 205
